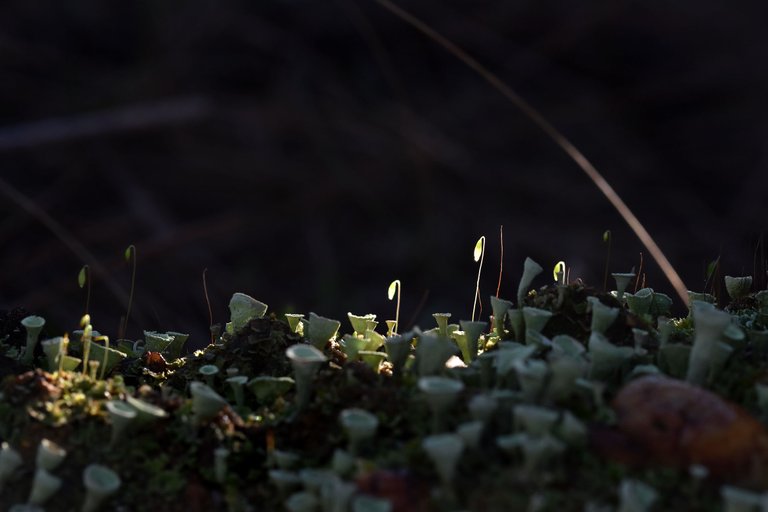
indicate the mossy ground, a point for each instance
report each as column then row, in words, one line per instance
column 169, row 464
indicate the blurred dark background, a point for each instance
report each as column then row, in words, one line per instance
column 308, row 153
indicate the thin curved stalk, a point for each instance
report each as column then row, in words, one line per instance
column 537, row 118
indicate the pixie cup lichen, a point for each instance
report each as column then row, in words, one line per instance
column 602, row 316
column 244, row 308
column 146, row 413
column 622, row 281
column 122, row 417
column 100, row 483
column 10, row 461
column 440, row 393
column 359, row 424
column 499, row 308
column 206, row 403
column 320, row 330
column 49, row 455
column 209, row 372
column 444, row 450
column 44, row 486
column 472, row 333
column 531, row 269
column 306, row 361
column 237, row 382
column 33, row 325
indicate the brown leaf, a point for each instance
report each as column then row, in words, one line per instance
column 670, row 422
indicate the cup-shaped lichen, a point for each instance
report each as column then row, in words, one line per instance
column 374, row 340
column 337, row 494
column 602, row 316
column 738, row 287
column 157, row 341
column 372, row 358
column 641, row 338
column 391, row 326
column 562, row 344
column 360, row 322
column 284, row 480
column 640, row 302
column 535, row 319
column 359, row 424
column 539, row 452
column 440, row 393
column 607, row 358
column 351, row 345
column 442, row 323
column 49, row 455
column 622, row 281
column 472, row 333
column 470, row 432
column 206, row 403
column 100, row 483
column 306, row 361
column 267, row 388
column 709, row 324
column 10, row 460
column 320, row 330
column 499, row 308
column 343, row 463
column 483, row 407
column 33, row 325
column 564, row 371
column 444, row 450
column 673, row 359
column 536, row 421
column 244, row 308
column 398, row 349
column 431, row 354
column 51, row 349
column 108, row 357
column 220, row 456
column 572, row 430
column 145, row 412
column 44, row 485
column 508, row 355
column 302, row 501
column 636, row 496
column 532, row 376
column 294, row 322
column 122, row 416
column 530, row 270
column 209, row 372
column 286, row 460
column 237, row 382
column 177, row 344
column 666, row 327
column 366, row 503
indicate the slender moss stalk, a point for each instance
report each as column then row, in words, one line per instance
column 105, row 339
column 208, row 302
column 85, row 323
column 130, row 256
column 479, row 254
column 501, row 258
column 63, row 345
column 83, row 278
column 395, row 286
column 607, row 240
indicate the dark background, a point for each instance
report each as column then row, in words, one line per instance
column 308, row 153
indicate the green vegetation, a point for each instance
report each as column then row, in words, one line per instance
column 576, row 399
